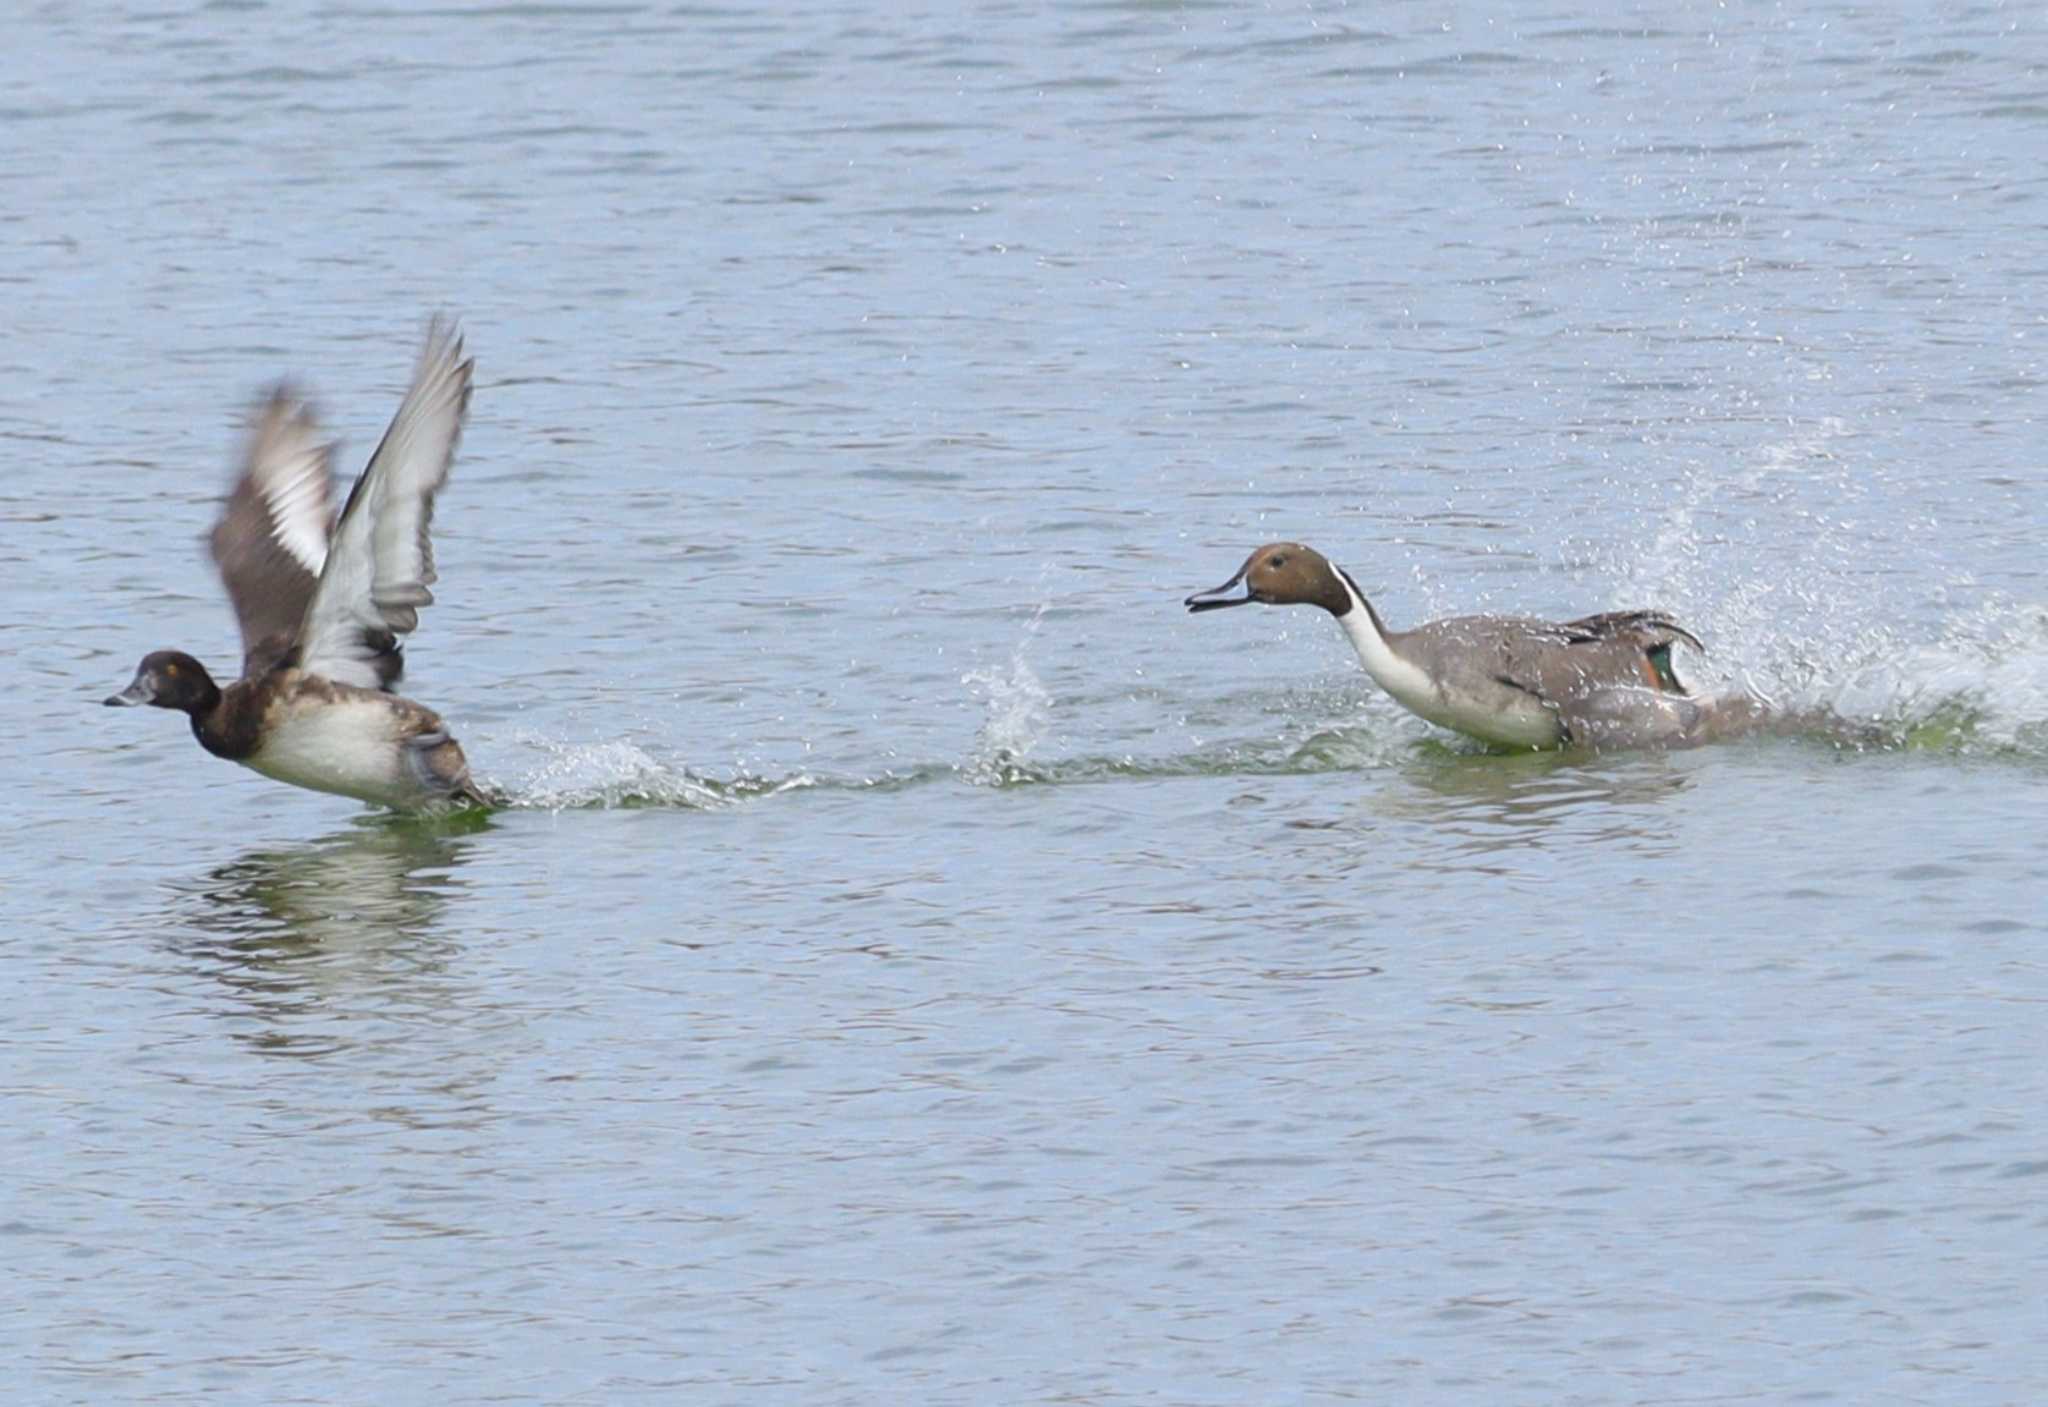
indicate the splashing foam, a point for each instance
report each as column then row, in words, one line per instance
column 606, row 775
column 1831, row 659
column 1983, row 684
column 1019, row 709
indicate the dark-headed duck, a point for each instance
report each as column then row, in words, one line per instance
column 323, row 602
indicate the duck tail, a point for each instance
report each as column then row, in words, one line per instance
column 440, row 767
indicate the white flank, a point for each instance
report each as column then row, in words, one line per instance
column 1525, row 721
column 350, row 747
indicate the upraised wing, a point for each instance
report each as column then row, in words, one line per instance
column 380, row 561
column 271, row 540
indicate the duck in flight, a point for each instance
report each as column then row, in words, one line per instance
column 324, row 601
column 1601, row 681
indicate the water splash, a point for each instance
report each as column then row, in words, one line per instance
column 1018, row 710
column 621, row 774
column 1805, row 630
column 1981, row 687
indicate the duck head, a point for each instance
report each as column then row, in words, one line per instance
column 169, row 679
column 1281, row 574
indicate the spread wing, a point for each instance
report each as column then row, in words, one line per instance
column 271, row 540
column 381, row 561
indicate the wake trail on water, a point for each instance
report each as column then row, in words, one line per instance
column 623, row 775
column 1017, row 715
column 1828, row 667
column 1980, row 689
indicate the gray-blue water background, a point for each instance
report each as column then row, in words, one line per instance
column 928, row 966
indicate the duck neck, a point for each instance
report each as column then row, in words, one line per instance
column 1367, row 633
column 222, row 727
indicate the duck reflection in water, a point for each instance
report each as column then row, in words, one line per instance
column 1471, row 810
column 1485, row 805
column 308, row 936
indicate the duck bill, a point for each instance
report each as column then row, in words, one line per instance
column 1214, row 598
column 137, row 693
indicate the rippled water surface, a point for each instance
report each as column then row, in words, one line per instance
column 925, row 964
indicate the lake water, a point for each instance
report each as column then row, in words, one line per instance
column 927, row 965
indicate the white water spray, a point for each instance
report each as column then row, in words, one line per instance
column 1018, row 711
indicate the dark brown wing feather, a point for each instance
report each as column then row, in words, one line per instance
column 271, row 539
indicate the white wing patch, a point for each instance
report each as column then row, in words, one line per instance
column 289, row 467
column 270, row 540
